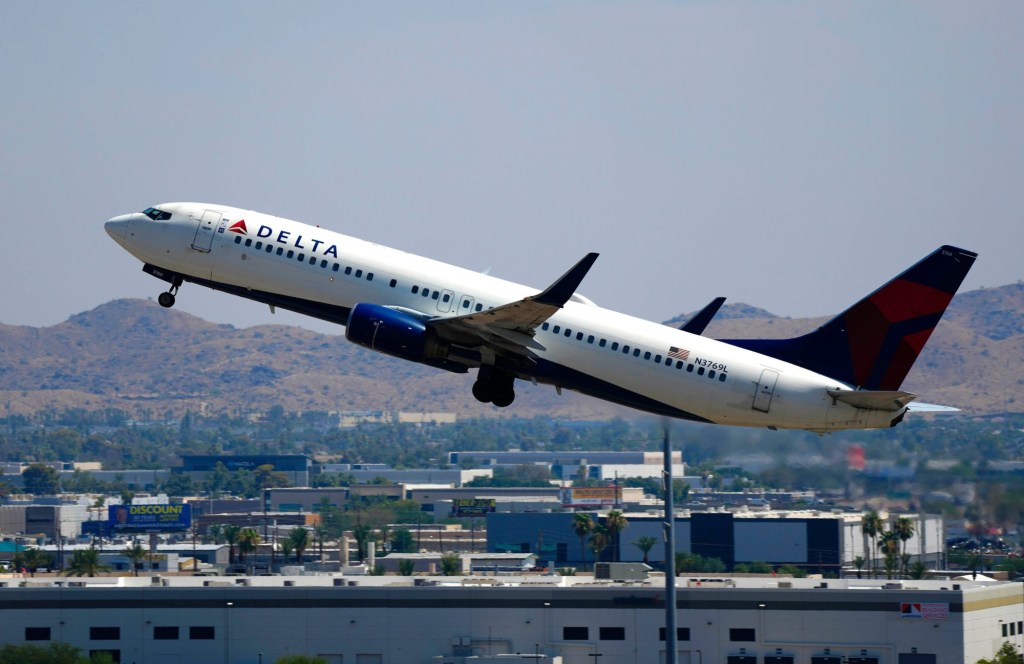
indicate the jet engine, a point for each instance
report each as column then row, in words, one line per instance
column 398, row 333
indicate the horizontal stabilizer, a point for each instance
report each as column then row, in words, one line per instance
column 919, row 407
column 874, row 399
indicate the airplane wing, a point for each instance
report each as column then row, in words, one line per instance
column 701, row 319
column 510, row 327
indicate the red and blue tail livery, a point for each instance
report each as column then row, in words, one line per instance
column 845, row 375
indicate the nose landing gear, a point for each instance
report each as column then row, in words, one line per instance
column 166, row 299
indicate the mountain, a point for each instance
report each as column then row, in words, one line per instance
column 149, row 361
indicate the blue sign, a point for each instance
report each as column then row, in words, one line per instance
column 149, row 518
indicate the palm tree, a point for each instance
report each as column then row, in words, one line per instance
column 872, row 526
column 615, row 523
column 320, row 531
column 286, row 548
column 858, row 562
column 230, row 534
column 86, row 562
column 136, row 553
column 598, row 541
column 248, row 540
column 645, row 543
column 889, row 544
column 361, row 532
column 32, row 559
column 904, row 530
column 582, row 525
column 299, row 538
column 215, row 532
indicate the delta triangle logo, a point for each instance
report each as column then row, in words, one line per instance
column 239, row 227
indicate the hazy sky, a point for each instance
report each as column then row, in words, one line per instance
column 791, row 154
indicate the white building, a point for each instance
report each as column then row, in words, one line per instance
column 400, row 620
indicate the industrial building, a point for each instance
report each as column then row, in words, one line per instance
column 821, row 542
column 447, row 620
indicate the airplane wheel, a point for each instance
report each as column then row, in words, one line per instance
column 504, row 399
column 482, row 391
column 165, row 300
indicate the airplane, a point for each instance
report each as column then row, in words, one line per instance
column 844, row 375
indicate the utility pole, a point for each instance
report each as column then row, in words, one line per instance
column 670, row 552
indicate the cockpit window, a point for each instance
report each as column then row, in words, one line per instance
column 156, row 215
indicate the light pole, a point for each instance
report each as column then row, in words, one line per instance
column 670, row 551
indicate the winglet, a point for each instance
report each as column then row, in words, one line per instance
column 558, row 293
column 700, row 321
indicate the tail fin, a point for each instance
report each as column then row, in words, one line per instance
column 873, row 344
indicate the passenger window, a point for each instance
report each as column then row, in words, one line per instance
column 568, row 332
column 394, row 282
column 647, row 355
column 590, row 339
column 335, row 267
column 689, row 368
column 601, row 343
column 711, row 374
column 426, row 292
column 721, row 378
column 434, row 295
column 615, row 345
column 544, row 327
column 270, row 248
column 679, row 365
column 369, row 276
column 657, row 358
column 556, row 329
column 300, row 257
column 291, row 253
column 280, row 250
column 415, row 289
column 480, row 307
column 259, row 245
column 248, row 241
column 323, row 263
column 446, row 297
column 465, row 304
column 700, row 371
column 636, row 352
column 359, row 274
column 625, row 349
column 238, row 239
column 579, row 336
column 348, row 270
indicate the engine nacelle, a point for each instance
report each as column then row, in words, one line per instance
column 397, row 333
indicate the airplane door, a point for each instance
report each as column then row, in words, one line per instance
column 444, row 303
column 765, row 390
column 203, row 240
column 465, row 305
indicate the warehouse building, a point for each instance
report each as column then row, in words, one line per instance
column 447, row 620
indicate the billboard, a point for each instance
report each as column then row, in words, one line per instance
column 472, row 506
column 149, row 518
column 604, row 496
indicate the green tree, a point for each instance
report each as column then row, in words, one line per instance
column 286, row 548
column 598, row 541
column 645, row 543
column 55, row 652
column 615, row 522
column 32, row 560
column 582, row 525
column 40, row 479
column 299, row 659
column 793, row 570
column 889, row 545
column 86, row 562
column 299, row 538
column 903, row 528
column 451, row 564
column 406, row 567
column 248, row 541
column 858, row 562
column 402, row 541
column 231, row 533
column 136, row 553
column 362, row 533
column 1007, row 654
column 872, row 526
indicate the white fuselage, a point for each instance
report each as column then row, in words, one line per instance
column 198, row 241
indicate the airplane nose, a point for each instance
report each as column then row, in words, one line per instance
column 117, row 227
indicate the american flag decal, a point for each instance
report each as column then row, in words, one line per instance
column 678, row 353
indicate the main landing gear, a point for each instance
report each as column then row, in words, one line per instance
column 166, row 299
column 493, row 386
